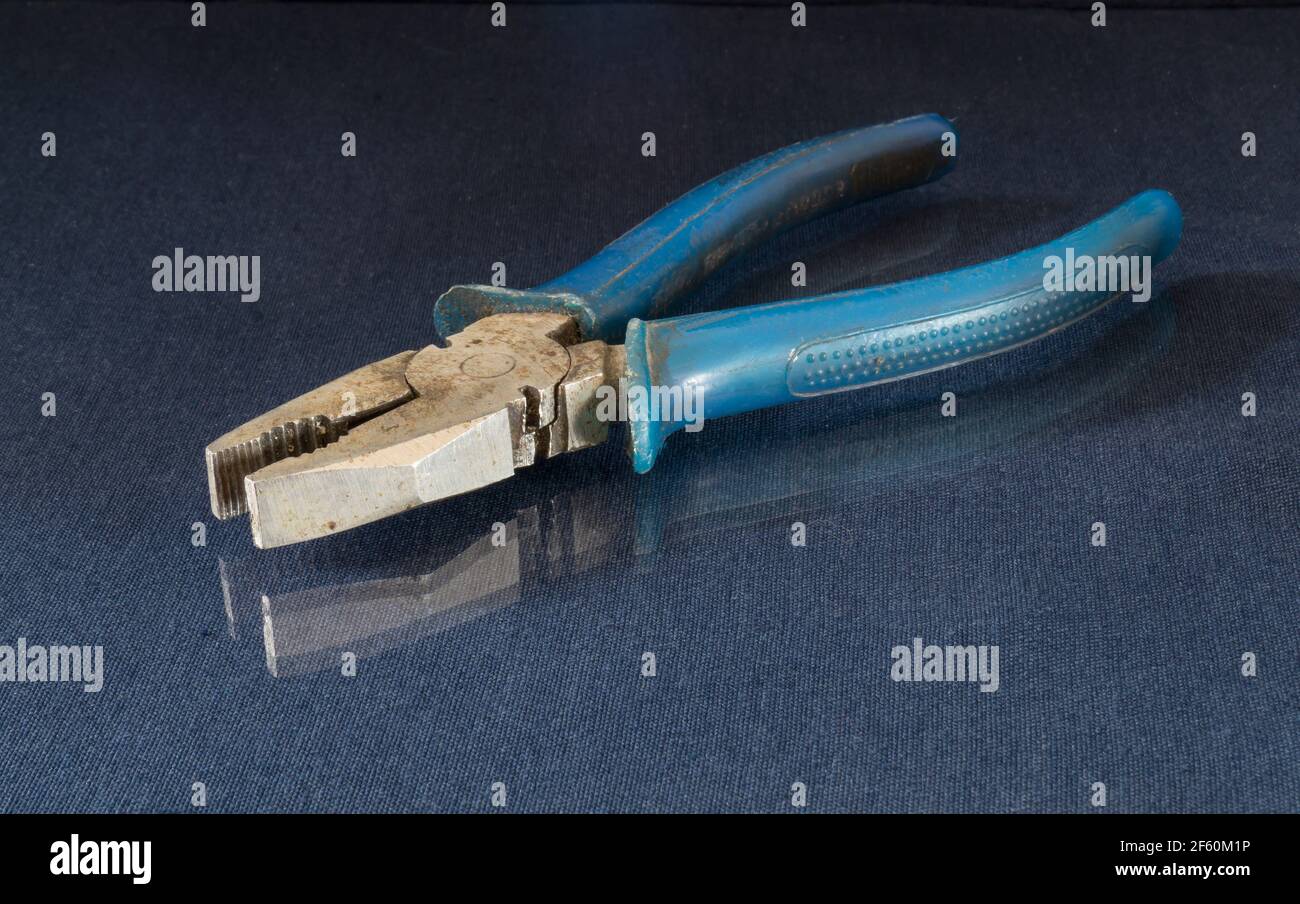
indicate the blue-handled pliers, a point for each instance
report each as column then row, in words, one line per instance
column 527, row 375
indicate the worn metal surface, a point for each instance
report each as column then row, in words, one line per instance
column 503, row 394
column 309, row 422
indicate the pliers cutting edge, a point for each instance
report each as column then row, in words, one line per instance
column 522, row 372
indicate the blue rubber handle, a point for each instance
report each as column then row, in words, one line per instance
column 675, row 249
column 769, row 354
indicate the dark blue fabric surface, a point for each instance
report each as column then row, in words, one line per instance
column 521, row 664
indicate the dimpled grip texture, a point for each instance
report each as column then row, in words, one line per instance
column 869, row 357
column 769, row 354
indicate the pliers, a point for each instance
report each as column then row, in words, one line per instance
column 525, row 373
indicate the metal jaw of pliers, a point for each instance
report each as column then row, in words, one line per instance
column 521, row 377
column 507, row 391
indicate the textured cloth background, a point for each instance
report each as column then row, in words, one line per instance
column 522, row 145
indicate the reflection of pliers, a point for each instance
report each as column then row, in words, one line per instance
column 525, row 372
